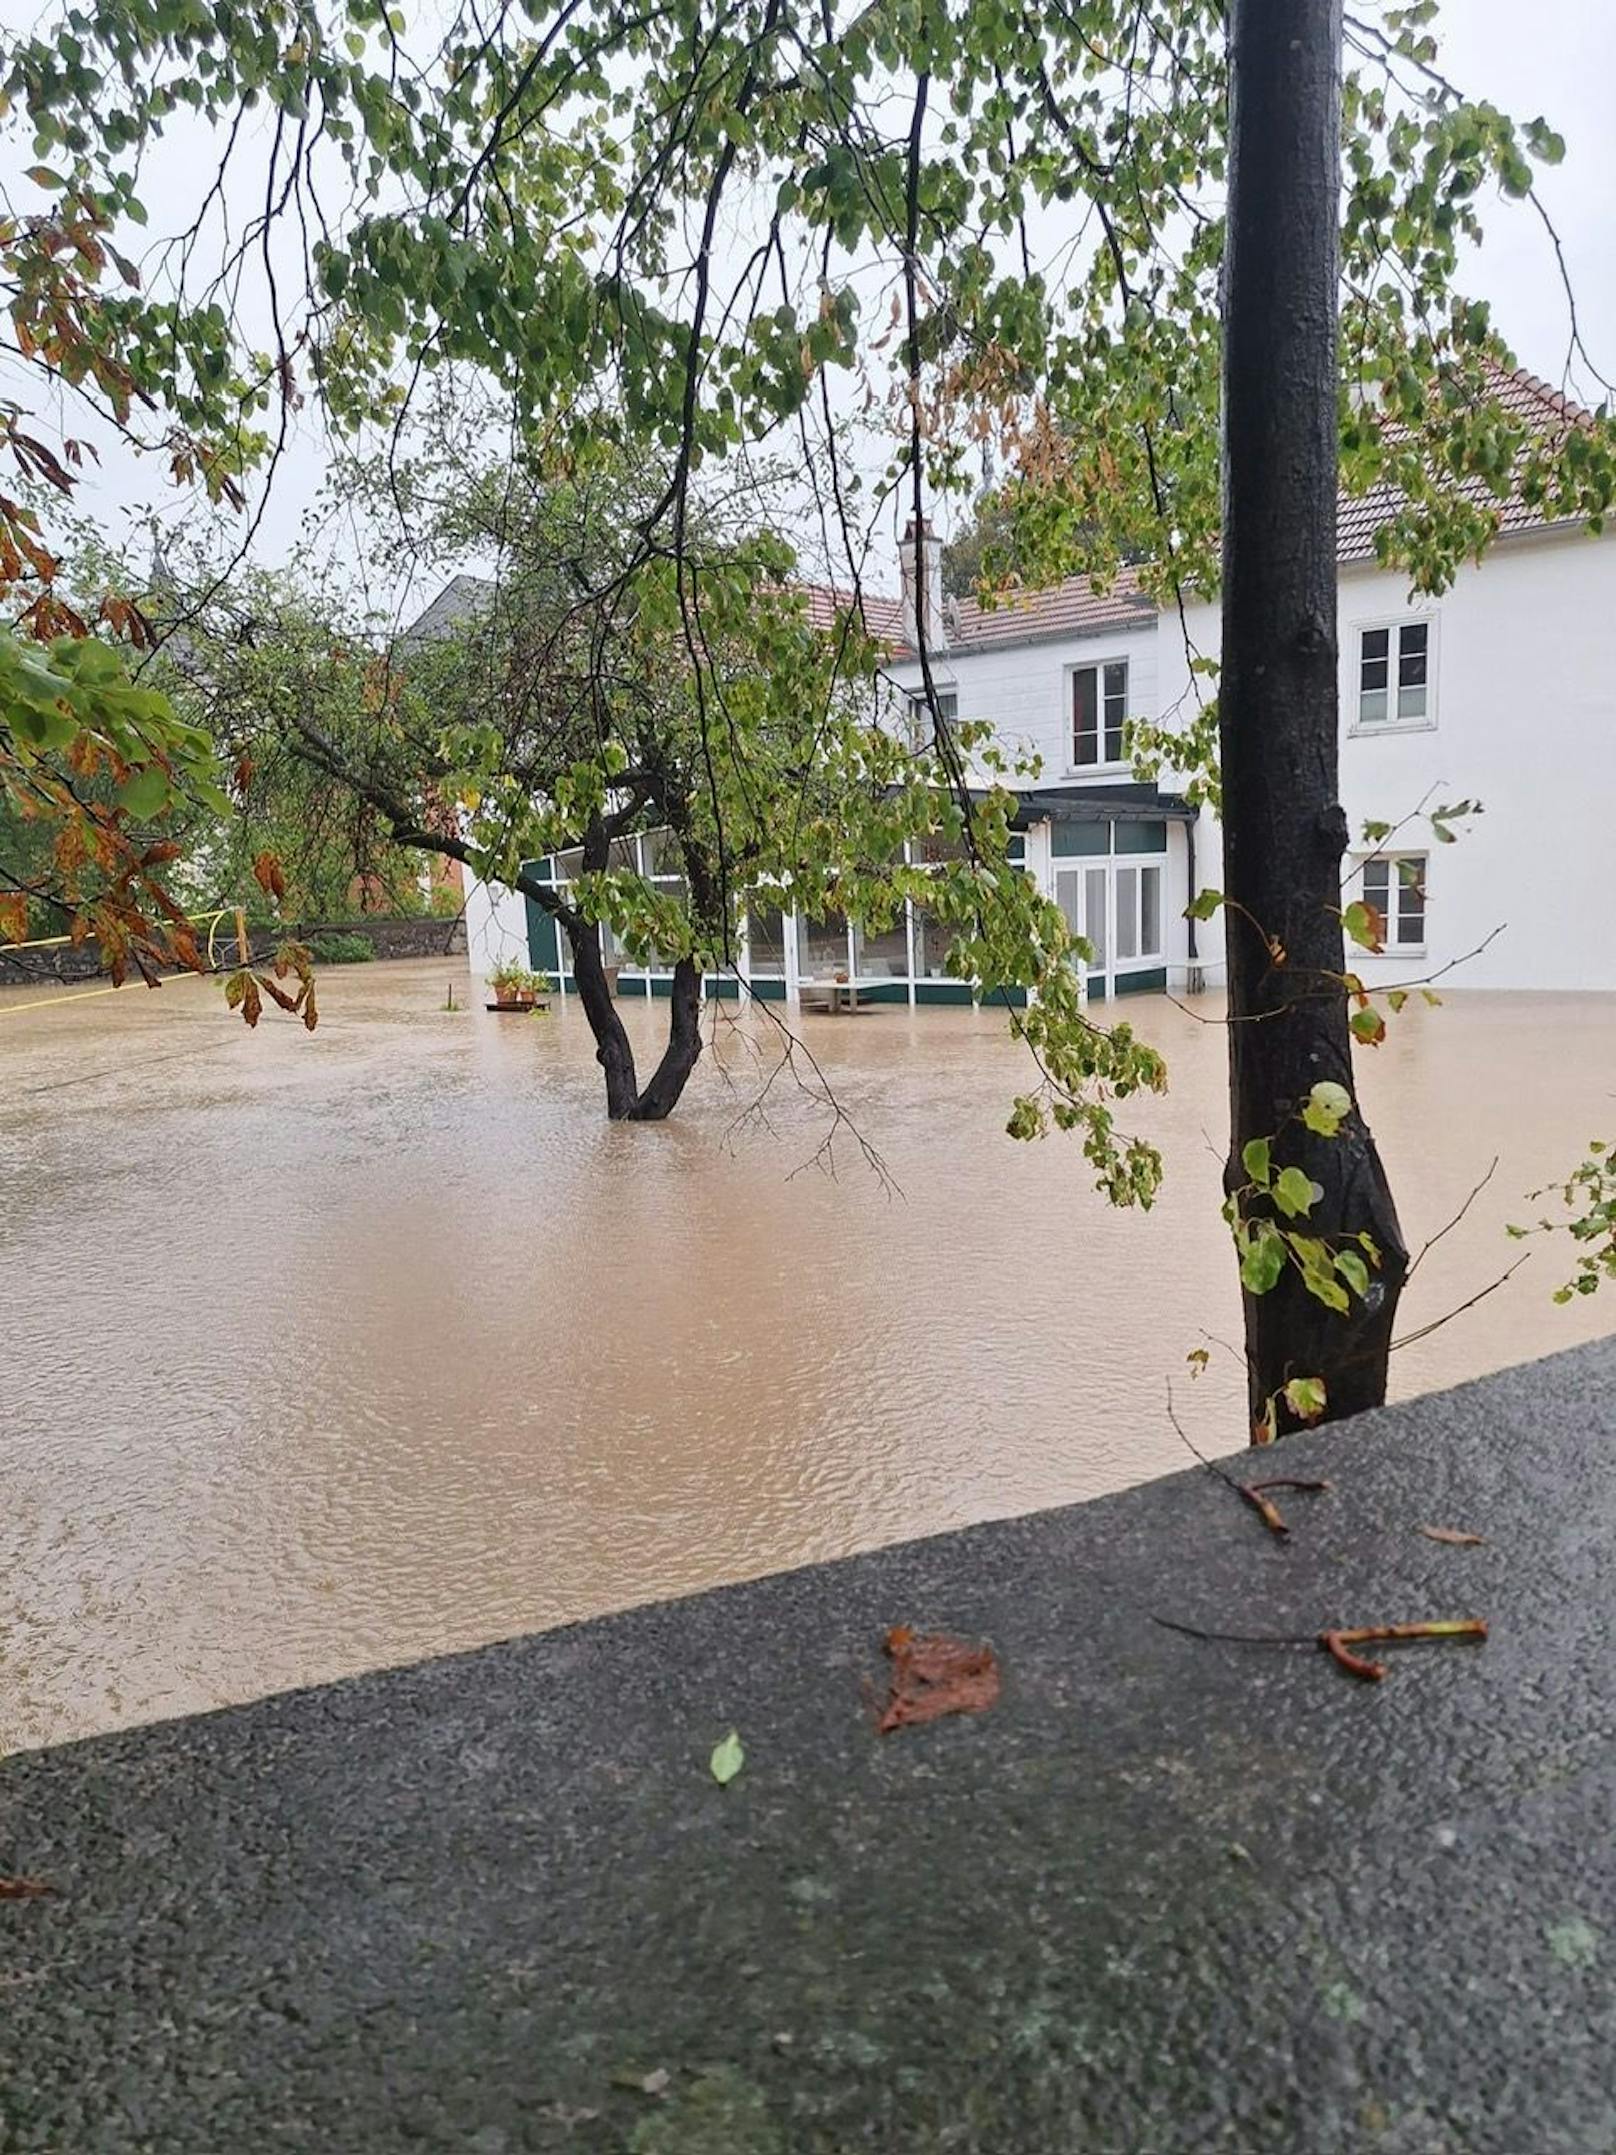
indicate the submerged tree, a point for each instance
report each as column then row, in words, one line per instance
column 667, row 230
column 575, row 701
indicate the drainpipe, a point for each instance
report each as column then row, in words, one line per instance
column 1189, row 849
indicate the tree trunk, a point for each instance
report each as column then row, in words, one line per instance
column 612, row 1049
column 1284, row 829
column 679, row 1058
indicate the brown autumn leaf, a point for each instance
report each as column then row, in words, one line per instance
column 1455, row 1536
column 13, row 916
column 270, row 875
column 24, row 1889
column 933, row 1675
column 277, row 994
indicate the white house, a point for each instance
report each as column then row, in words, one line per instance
column 1502, row 690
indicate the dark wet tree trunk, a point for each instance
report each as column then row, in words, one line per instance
column 612, row 1049
column 1284, row 829
column 625, row 1102
column 661, row 1095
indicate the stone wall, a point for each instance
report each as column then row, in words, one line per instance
column 426, row 937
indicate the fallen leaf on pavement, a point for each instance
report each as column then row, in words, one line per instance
column 728, row 1758
column 656, row 2083
column 24, row 1889
column 933, row 1675
column 1454, row 1535
column 1338, row 1644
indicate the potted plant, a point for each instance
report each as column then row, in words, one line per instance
column 512, row 985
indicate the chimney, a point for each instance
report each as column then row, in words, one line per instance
column 920, row 565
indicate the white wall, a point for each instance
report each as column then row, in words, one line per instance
column 496, row 926
column 1524, row 720
column 1023, row 690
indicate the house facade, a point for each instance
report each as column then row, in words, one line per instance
column 1502, row 691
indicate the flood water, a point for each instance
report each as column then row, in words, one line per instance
column 323, row 1353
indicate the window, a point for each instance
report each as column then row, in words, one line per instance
column 920, row 724
column 1394, row 674
column 1099, row 708
column 1394, row 884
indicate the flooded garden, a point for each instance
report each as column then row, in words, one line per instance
column 329, row 1352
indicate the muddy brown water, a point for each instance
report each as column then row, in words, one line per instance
column 326, row 1353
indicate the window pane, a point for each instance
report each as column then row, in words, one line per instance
column 936, row 847
column 883, row 953
column 1377, row 878
column 1411, row 898
column 1374, row 648
column 1069, row 839
column 1149, row 912
column 1069, row 897
column 766, row 930
column 933, row 940
column 1411, row 701
column 1094, row 900
column 1372, row 707
column 1116, row 708
column 1015, row 849
column 660, row 853
column 570, row 863
column 948, row 704
column 822, row 947
column 1413, row 641
column 1127, row 913
column 1085, row 717
column 1142, row 837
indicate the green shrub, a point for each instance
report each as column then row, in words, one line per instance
column 341, row 949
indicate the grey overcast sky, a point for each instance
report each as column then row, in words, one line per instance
column 1557, row 58
column 1554, row 57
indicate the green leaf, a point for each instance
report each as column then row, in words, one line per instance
column 728, row 1758
column 1305, row 1396
column 1368, row 1026
column 1254, row 1159
column 1293, row 1193
column 1203, row 905
column 144, row 791
column 1262, row 1260
column 1364, row 924
column 1353, row 1270
column 1328, row 1104
column 1395, row 999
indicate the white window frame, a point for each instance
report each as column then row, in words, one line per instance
column 1096, row 666
column 917, row 711
column 1395, row 885
column 1115, row 864
column 1362, row 728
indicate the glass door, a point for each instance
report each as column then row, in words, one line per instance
column 1138, row 913
column 1083, row 895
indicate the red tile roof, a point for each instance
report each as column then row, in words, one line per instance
column 1546, row 413
column 1075, row 608
column 883, row 617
